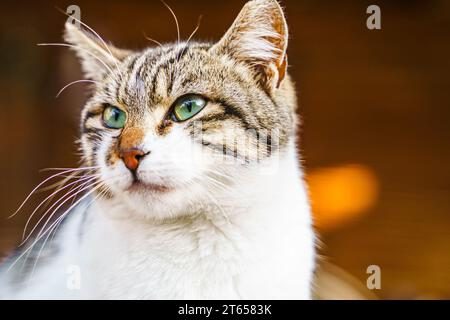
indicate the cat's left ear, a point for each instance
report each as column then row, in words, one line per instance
column 95, row 57
column 259, row 37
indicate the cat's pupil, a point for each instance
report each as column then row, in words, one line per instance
column 189, row 106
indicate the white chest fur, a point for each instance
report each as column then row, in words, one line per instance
column 263, row 249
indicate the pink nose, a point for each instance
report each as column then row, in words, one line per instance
column 132, row 157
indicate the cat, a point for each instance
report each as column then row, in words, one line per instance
column 194, row 187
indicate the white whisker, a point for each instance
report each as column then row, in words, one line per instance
column 42, row 234
column 85, row 50
column 102, row 193
column 74, row 82
column 54, row 229
column 78, row 191
column 89, row 178
column 74, row 169
column 62, row 182
column 39, row 185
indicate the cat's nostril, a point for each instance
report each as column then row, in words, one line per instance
column 139, row 156
column 132, row 157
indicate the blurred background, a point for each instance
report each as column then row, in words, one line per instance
column 375, row 137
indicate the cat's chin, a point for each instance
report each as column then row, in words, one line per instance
column 143, row 187
column 154, row 201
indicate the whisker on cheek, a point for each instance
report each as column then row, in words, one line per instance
column 64, row 171
column 89, row 178
column 42, row 233
column 62, row 201
column 95, row 186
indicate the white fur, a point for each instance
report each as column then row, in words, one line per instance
column 264, row 249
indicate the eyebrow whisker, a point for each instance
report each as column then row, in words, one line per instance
column 190, row 37
column 175, row 18
column 74, row 82
column 151, row 39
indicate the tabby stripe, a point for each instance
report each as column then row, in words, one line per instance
column 235, row 112
column 86, row 130
column 133, row 71
column 183, row 52
column 162, row 65
column 88, row 115
column 223, row 149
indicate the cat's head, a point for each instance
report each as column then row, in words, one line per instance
column 178, row 123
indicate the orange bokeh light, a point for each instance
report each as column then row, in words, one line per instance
column 340, row 194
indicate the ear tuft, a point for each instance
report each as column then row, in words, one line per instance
column 259, row 37
column 96, row 59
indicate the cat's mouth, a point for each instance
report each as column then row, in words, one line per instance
column 139, row 186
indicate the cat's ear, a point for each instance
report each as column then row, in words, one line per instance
column 259, row 37
column 95, row 57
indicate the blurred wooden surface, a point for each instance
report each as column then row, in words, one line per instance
column 373, row 98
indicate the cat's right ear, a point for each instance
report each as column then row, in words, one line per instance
column 259, row 37
column 95, row 56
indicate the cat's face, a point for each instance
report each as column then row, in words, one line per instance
column 175, row 125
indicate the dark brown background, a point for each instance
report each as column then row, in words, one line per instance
column 374, row 98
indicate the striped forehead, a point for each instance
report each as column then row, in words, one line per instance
column 149, row 76
column 140, row 79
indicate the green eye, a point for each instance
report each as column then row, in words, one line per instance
column 114, row 117
column 188, row 106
